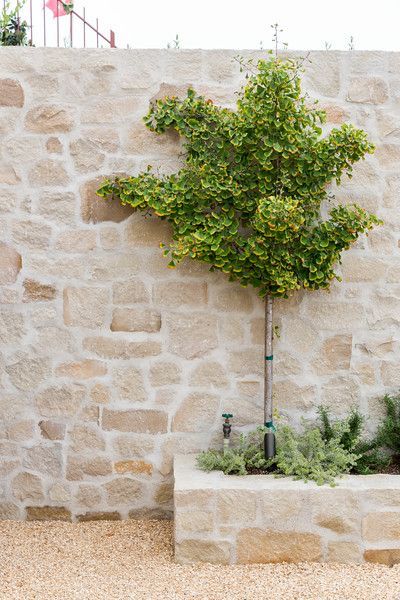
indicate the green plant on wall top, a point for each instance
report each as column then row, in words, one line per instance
column 13, row 31
column 248, row 199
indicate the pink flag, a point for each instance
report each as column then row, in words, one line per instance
column 52, row 5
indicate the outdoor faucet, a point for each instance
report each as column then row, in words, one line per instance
column 227, row 428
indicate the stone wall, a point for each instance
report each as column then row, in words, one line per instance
column 259, row 519
column 110, row 362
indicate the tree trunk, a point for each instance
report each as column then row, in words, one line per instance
column 269, row 440
column 268, row 371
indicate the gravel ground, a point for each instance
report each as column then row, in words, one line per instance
column 133, row 560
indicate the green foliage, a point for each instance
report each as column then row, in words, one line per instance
column 247, row 456
column 388, row 435
column 370, row 457
column 304, row 455
column 319, row 452
column 248, row 199
column 308, row 456
column 13, row 31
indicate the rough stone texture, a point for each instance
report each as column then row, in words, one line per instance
column 258, row 546
column 10, row 264
column 96, row 333
column 271, row 520
column 11, row 93
column 136, row 319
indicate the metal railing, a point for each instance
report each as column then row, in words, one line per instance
column 74, row 19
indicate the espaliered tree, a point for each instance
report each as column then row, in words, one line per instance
column 248, row 199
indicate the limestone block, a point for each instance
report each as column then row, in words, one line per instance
column 129, row 385
column 83, row 438
column 96, row 210
column 138, row 467
column 76, row 241
column 10, row 264
column 8, row 175
column 9, row 512
column 123, row 491
column 272, row 546
column 142, row 141
column 197, row 412
column 109, row 238
column 164, row 373
column 49, row 118
column 60, row 401
column 136, row 319
column 137, row 421
column 99, row 516
column 323, row 74
column 233, row 298
column 209, row 373
column 21, row 430
column 57, row 207
column 291, row 396
column 100, row 394
column 361, row 268
column 88, row 496
column 34, row 291
column 164, row 493
column 48, row 172
column 86, row 156
column 83, row 369
column 109, row 111
column 45, row 459
column 248, row 361
column 192, row 335
column 380, row 526
column 193, row 551
column 330, row 315
column 85, row 306
column 194, row 521
column 177, row 293
column 26, row 486
column 147, row 231
column 54, row 146
column 11, row 93
column 334, row 355
column 32, row 234
column 236, row 506
column 27, row 373
column 51, row 430
column 282, row 506
column 130, row 292
column 367, row 90
column 109, row 348
column 47, row 513
column 59, row 493
column 383, row 556
column 103, row 138
column 133, row 446
column 78, row 468
column 344, row 552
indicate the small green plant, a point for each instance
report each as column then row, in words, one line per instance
column 308, row 456
column 370, row 456
column 304, row 455
column 320, row 452
column 388, row 435
column 13, row 31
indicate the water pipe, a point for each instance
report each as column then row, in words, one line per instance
column 227, row 428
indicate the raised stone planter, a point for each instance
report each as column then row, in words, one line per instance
column 258, row 518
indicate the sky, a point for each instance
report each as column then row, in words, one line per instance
column 306, row 24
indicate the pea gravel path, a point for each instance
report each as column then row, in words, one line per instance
column 133, row 560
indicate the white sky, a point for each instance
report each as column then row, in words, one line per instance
column 307, row 24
